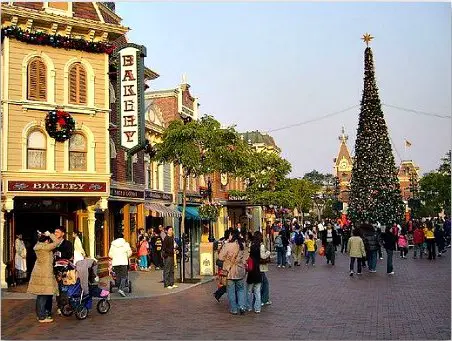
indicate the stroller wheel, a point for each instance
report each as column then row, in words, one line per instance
column 103, row 306
column 130, row 286
column 81, row 313
column 67, row 310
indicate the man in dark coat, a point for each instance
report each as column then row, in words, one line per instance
column 168, row 259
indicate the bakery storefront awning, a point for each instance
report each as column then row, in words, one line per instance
column 162, row 209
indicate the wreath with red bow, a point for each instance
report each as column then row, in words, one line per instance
column 60, row 125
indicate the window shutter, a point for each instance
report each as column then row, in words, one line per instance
column 73, row 84
column 82, row 85
column 37, row 80
column 77, row 84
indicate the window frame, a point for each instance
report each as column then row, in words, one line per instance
column 27, row 148
column 85, row 152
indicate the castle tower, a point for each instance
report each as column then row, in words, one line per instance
column 343, row 165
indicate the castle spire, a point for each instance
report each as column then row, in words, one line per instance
column 343, row 138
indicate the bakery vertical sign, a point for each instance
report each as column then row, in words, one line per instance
column 130, row 99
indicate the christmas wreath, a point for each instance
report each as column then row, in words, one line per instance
column 60, row 125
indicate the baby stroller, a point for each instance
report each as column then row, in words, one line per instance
column 114, row 283
column 77, row 301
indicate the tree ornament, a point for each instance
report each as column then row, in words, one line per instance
column 60, row 125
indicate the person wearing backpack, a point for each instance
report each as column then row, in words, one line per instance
column 298, row 245
column 254, row 278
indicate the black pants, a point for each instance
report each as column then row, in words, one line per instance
column 121, row 275
column 168, row 271
column 352, row 264
column 431, row 248
column 344, row 244
column 43, row 306
column 380, row 254
column 157, row 259
column 403, row 251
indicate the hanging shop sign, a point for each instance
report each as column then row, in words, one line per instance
column 191, row 199
column 126, row 193
column 56, row 186
column 149, row 195
column 130, row 90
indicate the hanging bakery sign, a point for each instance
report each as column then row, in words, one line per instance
column 130, row 95
column 56, row 186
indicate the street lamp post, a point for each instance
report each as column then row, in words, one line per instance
column 319, row 200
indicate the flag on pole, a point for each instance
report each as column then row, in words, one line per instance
column 407, row 143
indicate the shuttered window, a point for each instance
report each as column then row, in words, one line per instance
column 77, row 84
column 37, row 80
column 77, row 153
column 36, row 150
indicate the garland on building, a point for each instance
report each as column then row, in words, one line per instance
column 209, row 211
column 56, row 40
column 60, row 125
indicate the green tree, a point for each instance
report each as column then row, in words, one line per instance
column 266, row 177
column 374, row 189
column 301, row 193
column 435, row 190
column 200, row 147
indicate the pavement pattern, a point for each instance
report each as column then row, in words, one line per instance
column 320, row 303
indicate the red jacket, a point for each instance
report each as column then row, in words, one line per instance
column 418, row 236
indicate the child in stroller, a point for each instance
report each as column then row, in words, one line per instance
column 78, row 283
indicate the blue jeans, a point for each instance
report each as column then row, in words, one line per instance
column 43, row 306
column 310, row 255
column 389, row 267
column 236, row 295
column 372, row 260
column 280, row 256
column 419, row 247
column 256, row 289
column 265, row 288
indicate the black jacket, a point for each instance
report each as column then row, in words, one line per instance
column 64, row 251
column 371, row 240
column 389, row 240
column 336, row 239
column 168, row 247
column 254, row 276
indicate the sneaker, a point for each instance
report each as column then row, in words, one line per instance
column 122, row 293
column 283, row 266
column 279, row 266
column 373, row 271
column 46, row 320
column 257, row 311
column 249, row 309
column 169, row 287
column 391, row 273
column 175, row 286
column 242, row 311
column 381, row 258
column 216, row 297
column 59, row 311
column 351, row 273
column 359, row 273
column 268, row 303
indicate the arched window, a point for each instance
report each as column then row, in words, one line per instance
column 77, row 84
column 36, row 150
column 78, row 153
column 37, row 80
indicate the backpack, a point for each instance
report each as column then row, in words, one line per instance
column 299, row 239
column 249, row 265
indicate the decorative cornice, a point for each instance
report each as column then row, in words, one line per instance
column 75, row 22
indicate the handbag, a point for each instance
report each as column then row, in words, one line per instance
column 322, row 251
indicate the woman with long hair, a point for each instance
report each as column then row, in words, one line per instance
column 233, row 256
column 79, row 253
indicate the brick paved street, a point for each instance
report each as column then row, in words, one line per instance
column 314, row 303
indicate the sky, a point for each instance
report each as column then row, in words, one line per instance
column 266, row 65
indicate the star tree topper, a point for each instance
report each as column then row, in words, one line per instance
column 367, row 38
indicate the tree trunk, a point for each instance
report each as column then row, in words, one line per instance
column 182, row 224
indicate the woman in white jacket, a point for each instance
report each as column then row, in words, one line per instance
column 79, row 253
column 119, row 253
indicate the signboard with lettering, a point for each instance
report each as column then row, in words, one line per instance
column 237, row 198
column 56, row 186
column 126, row 193
column 130, row 95
column 191, row 199
column 149, row 195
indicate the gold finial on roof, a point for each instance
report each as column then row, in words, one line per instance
column 343, row 137
column 367, row 38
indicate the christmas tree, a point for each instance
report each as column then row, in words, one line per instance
column 374, row 189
